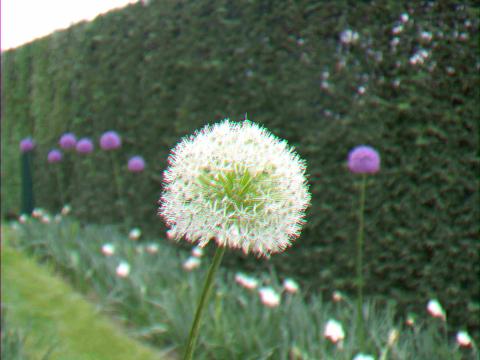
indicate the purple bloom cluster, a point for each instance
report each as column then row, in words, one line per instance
column 84, row 146
column 68, row 141
column 110, row 140
column 27, row 144
column 364, row 159
column 136, row 164
column 54, row 156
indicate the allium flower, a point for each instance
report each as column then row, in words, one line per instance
column 435, row 309
column 410, row 320
column 246, row 281
column 238, row 184
column 334, row 331
column 123, row 269
column 363, row 357
column 38, row 213
column 337, row 296
column 404, row 17
column 152, row 248
column 110, row 140
column 46, row 219
column 54, row 156
column 135, row 234
column 136, row 164
column 364, row 160
column 66, row 209
column 197, row 251
column 22, row 219
column 463, row 339
column 27, row 144
column 349, row 36
column 84, row 146
column 269, row 297
column 290, row 286
column 108, row 249
column 68, row 141
column 191, row 263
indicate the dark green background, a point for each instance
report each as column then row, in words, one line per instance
column 155, row 73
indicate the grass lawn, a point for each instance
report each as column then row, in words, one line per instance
column 56, row 319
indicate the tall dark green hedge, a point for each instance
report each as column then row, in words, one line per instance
column 158, row 71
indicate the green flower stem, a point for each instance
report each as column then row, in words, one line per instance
column 359, row 266
column 58, row 174
column 207, row 289
column 118, row 184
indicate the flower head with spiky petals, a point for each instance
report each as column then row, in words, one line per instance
column 238, row 184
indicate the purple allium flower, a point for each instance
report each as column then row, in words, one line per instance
column 84, row 146
column 68, row 141
column 364, row 160
column 110, row 140
column 27, row 144
column 54, row 156
column 136, row 164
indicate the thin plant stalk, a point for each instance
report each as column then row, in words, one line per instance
column 116, row 175
column 359, row 266
column 207, row 289
column 60, row 184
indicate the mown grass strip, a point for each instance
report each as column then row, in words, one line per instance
column 57, row 319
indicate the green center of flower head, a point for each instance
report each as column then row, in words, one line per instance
column 237, row 191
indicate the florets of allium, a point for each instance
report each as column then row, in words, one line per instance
column 110, row 140
column 54, row 156
column 238, row 184
column 84, row 146
column 136, row 164
column 364, row 160
column 27, row 144
column 68, row 141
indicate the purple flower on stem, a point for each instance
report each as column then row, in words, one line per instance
column 68, row 141
column 27, row 144
column 54, row 156
column 110, row 140
column 136, row 164
column 84, row 146
column 364, row 159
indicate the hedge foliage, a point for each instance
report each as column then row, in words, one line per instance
column 156, row 71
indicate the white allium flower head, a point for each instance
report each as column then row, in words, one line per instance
column 291, row 286
column 197, row 252
column 269, row 297
column 152, row 248
column 191, row 263
column 247, row 282
column 66, row 209
column 334, row 331
column 238, row 184
column 463, row 339
column 108, row 249
column 22, row 219
column 135, row 234
column 123, row 269
column 361, row 356
column 435, row 309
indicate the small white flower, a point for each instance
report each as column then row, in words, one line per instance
column 108, row 249
column 397, row 29
column 334, row 331
column 410, row 320
column 237, row 184
column 337, row 296
column 246, row 281
column 197, row 251
column 290, row 286
column 191, row 263
column 349, row 36
column 463, row 339
column 395, row 41
column 123, row 269
column 22, row 219
column 66, row 209
column 152, row 248
column 426, row 36
column 300, row 41
column 463, row 36
column 46, row 219
column 361, row 90
column 325, row 84
column 404, row 18
column 38, row 213
column 363, row 357
column 269, row 297
column 325, row 75
column 57, row 218
column 435, row 309
column 396, row 83
column 135, row 234
column 450, row 70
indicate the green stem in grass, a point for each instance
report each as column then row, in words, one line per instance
column 118, row 184
column 58, row 174
column 359, row 266
column 207, row 289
